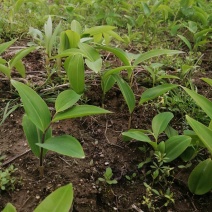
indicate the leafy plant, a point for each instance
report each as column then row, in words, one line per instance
column 7, row 180
column 59, row 200
column 200, row 180
column 16, row 61
column 171, row 148
column 108, row 177
column 37, row 122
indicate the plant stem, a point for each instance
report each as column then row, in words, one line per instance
column 130, row 121
column 41, row 167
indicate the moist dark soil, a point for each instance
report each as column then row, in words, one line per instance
column 102, row 142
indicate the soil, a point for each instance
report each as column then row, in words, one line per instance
column 102, row 142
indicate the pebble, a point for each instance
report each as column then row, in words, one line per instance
column 106, row 163
column 37, row 197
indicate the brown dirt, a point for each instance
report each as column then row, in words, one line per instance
column 101, row 139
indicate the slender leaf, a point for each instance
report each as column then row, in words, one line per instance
column 160, row 123
column 154, row 92
column 65, row 145
column 175, row 146
column 59, row 200
column 203, row 132
column 107, row 83
column 34, row 106
column 6, row 45
column 200, row 179
column 20, row 68
column 126, row 92
column 203, row 102
column 209, row 81
column 65, row 100
column 5, row 70
column 76, row 27
column 20, row 55
column 155, row 53
column 80, row 111
column 186, row 41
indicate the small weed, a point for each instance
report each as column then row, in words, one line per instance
column 108, row 177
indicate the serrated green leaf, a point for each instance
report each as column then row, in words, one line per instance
column 65, row 100
column 34, row 106
column 65, row 145
column 80, row 111
column 59, row 200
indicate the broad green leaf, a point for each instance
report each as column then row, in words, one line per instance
column 65, row 100
column 76, row 27
column 95, row 66
column 186, row 41
column 154, row 92
column 188, row 154
column 160, row 123
column 209, row 81
column 59, row 200
column 34, row 135
column 20, row 55
column 2, row 61
column 203, row 102
column 175, row 146
column 20, row 68
column 146, row 9
column 74, row 66
column 73, row 38
column 89, row 51
column 170, row 131
column 34, row 106
column 98, row 29
column 200, row 179
column 126, row 92
column 79, row 111
column 9, row 208
column 65, row 145
column 203, row 132
column 107, row 83
column 139, row 136
column 5, row 70
column 155, row 53
column 6, row 45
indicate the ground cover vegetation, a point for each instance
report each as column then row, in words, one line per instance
column 144, row 67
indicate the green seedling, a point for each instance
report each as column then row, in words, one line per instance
column 172, row 148
column 37, row 122
column 59, row 200
column 16, row 61
column 108, row 177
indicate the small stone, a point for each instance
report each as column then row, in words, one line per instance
column 106, row 163
column 37, row 197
